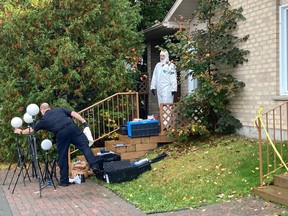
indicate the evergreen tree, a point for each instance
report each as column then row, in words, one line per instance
column 64, row 52
column 153, row 11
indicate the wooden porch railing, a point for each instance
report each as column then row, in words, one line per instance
column 275, row 122
column 106, row 116
column 168, row 114
column 170, row 117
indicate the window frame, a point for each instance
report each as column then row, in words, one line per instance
column 283, row 28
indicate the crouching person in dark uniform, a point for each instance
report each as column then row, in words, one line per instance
column 59, row 122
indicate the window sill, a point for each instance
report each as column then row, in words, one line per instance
column 281, row 98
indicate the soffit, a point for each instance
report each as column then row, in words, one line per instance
column 181, row 10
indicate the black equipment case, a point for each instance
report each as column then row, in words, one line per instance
column 121, row 171
column 106, row 158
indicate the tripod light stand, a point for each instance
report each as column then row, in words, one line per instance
column 17, row 122
column 28, row 119
column 47, row 173
column 32, row 110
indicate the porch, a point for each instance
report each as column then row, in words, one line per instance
column 273, row 154
column 107, row 116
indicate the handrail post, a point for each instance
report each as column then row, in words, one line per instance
column 260, row 153
column 137, row 104
column 161, row 119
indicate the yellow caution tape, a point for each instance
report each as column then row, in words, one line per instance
column 268, row 136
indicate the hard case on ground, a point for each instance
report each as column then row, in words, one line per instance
column 106, row 158
column 121, row 171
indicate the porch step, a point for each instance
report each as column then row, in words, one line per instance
column 273, row 193
column 134, row 148
column 94, row 150
column 278, row 192
column 281, row 180
column 161, row 138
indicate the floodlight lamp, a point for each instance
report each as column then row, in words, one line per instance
column 46, row 144
column 16, row 122
column 32, row 109
column 28, row 118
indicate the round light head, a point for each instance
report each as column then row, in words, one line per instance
column 16, row 122
column 46, row 144
column 32, row 109
column 28, row 118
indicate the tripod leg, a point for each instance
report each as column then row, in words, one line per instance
column 37, row 167
column 32, row 161
column 26, row 173
column 13, row 177
column 21, row 161
column 21, row 169
column 9, row 167
column 50, row 174
column 45, row 172
column 53, row 170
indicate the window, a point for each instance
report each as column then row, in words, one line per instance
column 283, row 50
column 192, row 83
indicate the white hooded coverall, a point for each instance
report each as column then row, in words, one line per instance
column 164, row 79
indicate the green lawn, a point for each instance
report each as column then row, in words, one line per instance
column 195, row 174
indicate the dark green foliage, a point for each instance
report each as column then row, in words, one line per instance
column 226, row 123
column 64, row 52
column 208, row 54
column 153, row 11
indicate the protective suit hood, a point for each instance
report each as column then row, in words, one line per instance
column 166, row 59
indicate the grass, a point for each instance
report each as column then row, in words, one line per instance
column 213, row 170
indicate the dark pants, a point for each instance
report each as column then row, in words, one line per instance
column 72, row 134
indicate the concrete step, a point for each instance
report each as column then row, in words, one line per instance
column 135, row 148
column 132, row 148
column 281, row 180
column 273, row 193
column 155, row 139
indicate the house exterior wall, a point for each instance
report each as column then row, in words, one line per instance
column 261, row 73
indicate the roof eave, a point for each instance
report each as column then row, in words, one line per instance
column 159, row 30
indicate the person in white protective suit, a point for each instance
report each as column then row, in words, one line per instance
column 164, row 79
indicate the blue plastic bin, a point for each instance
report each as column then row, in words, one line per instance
column 143, row 128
